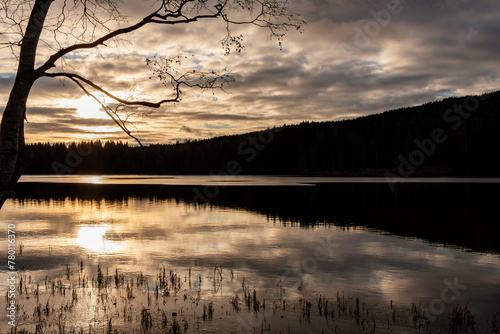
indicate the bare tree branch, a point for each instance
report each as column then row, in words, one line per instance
column 23, row 24
column 86, row 17
column 154, row 17
column 273, row 14
column 162, row 68
column 112, row 114
column 79, row 78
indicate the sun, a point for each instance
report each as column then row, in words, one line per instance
column 87, row 107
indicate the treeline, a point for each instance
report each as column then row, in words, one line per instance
column 453, row 137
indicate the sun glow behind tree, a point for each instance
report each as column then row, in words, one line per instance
column 47, row 35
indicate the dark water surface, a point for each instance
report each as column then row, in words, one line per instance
column 407, row 245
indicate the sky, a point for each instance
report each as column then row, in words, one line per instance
column 353, row 58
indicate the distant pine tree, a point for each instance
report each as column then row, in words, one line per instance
column 453, row 137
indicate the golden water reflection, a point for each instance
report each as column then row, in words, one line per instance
column 94, row 238
column 139, row 234
column 95, row 179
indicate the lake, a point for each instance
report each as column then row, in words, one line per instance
column 432, row 242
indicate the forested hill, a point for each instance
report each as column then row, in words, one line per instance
column 455, row 137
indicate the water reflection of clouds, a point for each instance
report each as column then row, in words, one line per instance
column 147, row 232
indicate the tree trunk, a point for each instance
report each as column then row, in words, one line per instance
column 12, row 125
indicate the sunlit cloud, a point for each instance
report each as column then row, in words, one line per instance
column 428, row 51
column 85, row 106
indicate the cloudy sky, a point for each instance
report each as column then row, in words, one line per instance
column 354, row 57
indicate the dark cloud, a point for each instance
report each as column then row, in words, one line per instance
column 51, row 89
column 52, row 128
column 216, row 117
column 49, row 111
column 91, row 122
column 6, row 81
column 68, row 125
column 186, row 129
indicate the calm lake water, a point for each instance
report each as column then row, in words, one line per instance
column 430, row 241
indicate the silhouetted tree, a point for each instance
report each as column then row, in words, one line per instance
column 84, row 24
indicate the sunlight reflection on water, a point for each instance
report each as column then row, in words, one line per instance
column 93, row 179
column 94, row 238
column 241, row 180
column 138, row 234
